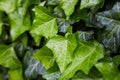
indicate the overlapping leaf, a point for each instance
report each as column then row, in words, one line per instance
column 8, row 57
column 62, row 49
column 108, row 70
column 110, row 36
column 68, row 6
column 45, row 56
column 44, row 24
column 34, row 69
column 89, row 3
column 85, row 56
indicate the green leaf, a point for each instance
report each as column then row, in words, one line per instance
column 94, row 74
column 68, row 6
column 89, row 3
column 34, row 69
column 85, row 36
column 62, row 49
column 44, row 24
column 109, row 20
column 85, row 56
column 16, row 74
column 108, row 70
column 8, row 57
column 53, row 73
column 19, row 20
column 1, row 24
column 52, row 2
column 8, row 5
column 45, row 56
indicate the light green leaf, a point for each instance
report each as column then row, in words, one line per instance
column 85, row 56
column 45, row 56
column 89, row 3
column 8, row 5
column 68, row 6
column 19, row 20
column 108, row 70
column 62, row 49
column 8, row 57
column 44, row 24
column 16, row 74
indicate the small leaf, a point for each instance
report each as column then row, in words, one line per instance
column 8, row 57
column 62, row 49
column 8, row 5
column 53, row 73
column 85, row 56
column 44, row 24
column 89, row 3
column 108, row 70
column 15, row 74
column 68, row 6
column 45, row 56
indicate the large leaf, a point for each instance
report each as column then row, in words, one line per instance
column 8, row 57
column 68, row 6
column 34, row 69
column 44, row 24
column 85, row 56
column 89, row 3
column 109, row 20
column 15, row 74
column 108, row 70
column 62, row 49
column 45, row 56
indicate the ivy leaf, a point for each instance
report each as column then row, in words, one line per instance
column 53, row 73
column 108, row 70
column 1, row 24
column 85, row 56
column 8, row 5
column 45, row 56
column 19, row 20
column 34, row 69
column 44, row 24
column 13, row 74
column 8, row 57
column 68, row 6
column 89, row 3
column 109, row 20
column 62, row 49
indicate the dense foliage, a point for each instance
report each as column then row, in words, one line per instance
column 59, row 40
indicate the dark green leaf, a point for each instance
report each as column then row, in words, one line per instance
column 34, row 69
column 110, row 21
column 89, row 3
